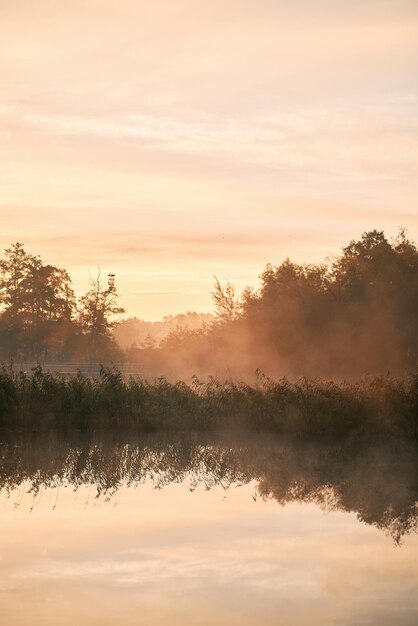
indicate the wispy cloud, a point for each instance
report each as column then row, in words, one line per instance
column 223, row 134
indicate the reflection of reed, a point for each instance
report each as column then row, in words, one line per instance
column 379, row 483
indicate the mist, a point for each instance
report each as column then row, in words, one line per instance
column 345, row 318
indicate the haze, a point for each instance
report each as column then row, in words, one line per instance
column 172, row 141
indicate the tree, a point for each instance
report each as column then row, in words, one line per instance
column 48, row 294
column 97, row 309
column 227, row 305
column 38, row 305
column 14, row 270
column 49, row 307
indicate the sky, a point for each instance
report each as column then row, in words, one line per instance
column 174, row 140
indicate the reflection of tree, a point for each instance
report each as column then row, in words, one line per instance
column 379, row 484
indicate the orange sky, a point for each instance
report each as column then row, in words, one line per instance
column 172, row 140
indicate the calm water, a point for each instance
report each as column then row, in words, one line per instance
column 190, row 531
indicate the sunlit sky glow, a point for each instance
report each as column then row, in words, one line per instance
column 173, row 140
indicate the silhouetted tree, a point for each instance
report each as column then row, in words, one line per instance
column 226, row 303
column 36, row 300
column 49, row 307
column 38, row 312
column 97, row 310
column 14, row 268
column 357, row 314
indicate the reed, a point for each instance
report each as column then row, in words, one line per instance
column 41, row 401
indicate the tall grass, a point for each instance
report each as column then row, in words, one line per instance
column 316, row 408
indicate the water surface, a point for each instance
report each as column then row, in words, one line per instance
column 207, row 531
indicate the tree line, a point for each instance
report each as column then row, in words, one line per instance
column 354, row 314
column 140, row 333
column 41, row 319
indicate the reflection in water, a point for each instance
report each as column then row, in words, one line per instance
column 379, row 483
column 189, row 548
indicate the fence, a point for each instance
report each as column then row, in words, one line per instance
column 71, row 369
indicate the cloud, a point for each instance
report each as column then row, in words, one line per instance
column 158, row 293
column 200, row 137
column 129, row 250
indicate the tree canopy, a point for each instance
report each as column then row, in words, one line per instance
column 41, row 318
column 355, row 314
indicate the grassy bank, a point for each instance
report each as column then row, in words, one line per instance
column 305, row 409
